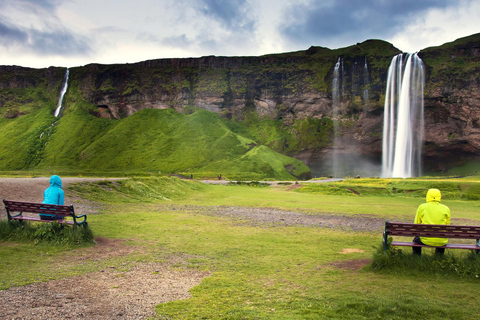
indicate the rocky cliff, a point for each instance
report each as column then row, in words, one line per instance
column 294, row 90
column 452, row 102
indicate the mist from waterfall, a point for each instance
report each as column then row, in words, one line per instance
column 62, row 94
column 403, row 124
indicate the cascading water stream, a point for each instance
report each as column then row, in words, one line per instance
column 403, row 124
column 62, row 94
column 337, row 88
column 366, row 83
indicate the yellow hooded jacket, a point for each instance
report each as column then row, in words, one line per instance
column 433, row 212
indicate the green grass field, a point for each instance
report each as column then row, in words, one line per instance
column 263, row 271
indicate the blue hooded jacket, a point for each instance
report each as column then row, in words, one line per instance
column 53, row 194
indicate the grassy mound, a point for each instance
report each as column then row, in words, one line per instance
column 149, row 142
column 136, row 190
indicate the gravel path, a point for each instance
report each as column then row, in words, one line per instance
column 133, row 294
column 270, row 217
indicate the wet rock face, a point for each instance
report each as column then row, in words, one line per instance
column 452, row 128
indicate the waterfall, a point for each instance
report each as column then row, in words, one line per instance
column 62, row 94
column 403, row 123
column 337, row 93
column 336, row 83
column 366, row 83
column 355, row 78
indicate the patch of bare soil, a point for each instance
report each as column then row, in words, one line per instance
column 352, row 265
column 104, row 249
column 108, row 294
column 271, row 217
column 112, row 293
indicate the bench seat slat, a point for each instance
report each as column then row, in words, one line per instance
column 41, row 220
column 448, row 246
column 436, row 234
column 51, row 213
column 37, row 207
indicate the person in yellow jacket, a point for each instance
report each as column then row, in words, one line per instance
column 432, row 212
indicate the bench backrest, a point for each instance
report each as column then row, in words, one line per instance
column 432, row 230
column 43, row 208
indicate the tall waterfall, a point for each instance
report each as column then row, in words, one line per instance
column 337, row 93
column 403, row 124
column 62, row 94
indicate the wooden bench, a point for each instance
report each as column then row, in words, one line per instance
column 42, row 208
column 431, row 230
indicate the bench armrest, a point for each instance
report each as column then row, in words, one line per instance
column 84, row 221
column 15, row 215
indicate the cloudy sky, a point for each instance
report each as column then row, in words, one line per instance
column 42, row 33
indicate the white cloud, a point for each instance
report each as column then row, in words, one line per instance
column 439, row 26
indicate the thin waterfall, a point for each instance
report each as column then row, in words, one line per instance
column 336, row 83
column 337, row 90
column 355, row 79
column 62, row 95
column 366, row 83
column 403, row 124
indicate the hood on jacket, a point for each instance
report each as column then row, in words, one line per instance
column 55, row 181
column 434, row 195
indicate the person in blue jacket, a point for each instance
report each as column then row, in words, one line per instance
column 53, row 195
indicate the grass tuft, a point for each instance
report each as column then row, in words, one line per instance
column 398, row 261
column 45, row 233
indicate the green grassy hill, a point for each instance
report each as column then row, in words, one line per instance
column 151, row 141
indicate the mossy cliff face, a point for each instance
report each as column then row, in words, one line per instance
column 24, row 89
column 284, row 86
column 452, row 102
column 283, row 101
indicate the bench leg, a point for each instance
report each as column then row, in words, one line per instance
column 385, row 241
column 417, row 250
